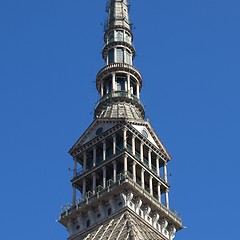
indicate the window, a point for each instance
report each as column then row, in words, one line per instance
column 109, row 211
column 127, row 38
column 119, row 36
column 111, row 37
column 128, row 57
column 120, row 83
column 119, row 55
column 111, row 56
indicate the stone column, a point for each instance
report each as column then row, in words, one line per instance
column 104, row 150
column 84, row 190
column 113, row 81
column 150, row 158
column 133, row 145
column 167, row 198
column 94, row 156
column 141, row 151
column 94, row 183
column 159, row 192
column 134, row 171
column 114, row 144
column 74, row 198
column 138, row 90
column 102, row 89
column 114, row 171
column 84, row 161
column 157, row 166
column 125, row 164
column 128, row 83
column 124, row 138
column 165, row 172
column 151, row 184
column 104, row 176
column 142, row 178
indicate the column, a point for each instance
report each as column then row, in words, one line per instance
column 159, row 192
column 134, row 171
column 142, row 178
column 113, row 81
column 141, row 151
column 94, row 156
column 94, row 183
column 157, row 166
column 114, row 171
column 151, row 184
column 114, row 144
column 125, row 164
column 138, row 90
column 104, row 176
column 104, row 150
column 150, row 158
column 165, row 172
column 101, row 89
column 128, row 83
column 133, row 145
column 84, row 161
column 74, row 188
column 84, row 190
column 167, row 198
column 124, row 138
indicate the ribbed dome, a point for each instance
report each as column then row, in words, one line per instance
column 120, row 110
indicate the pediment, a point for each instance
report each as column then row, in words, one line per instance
column 145, row 128
column 97, row 127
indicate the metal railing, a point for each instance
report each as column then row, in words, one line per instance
column 111, row 184
column 119, row 94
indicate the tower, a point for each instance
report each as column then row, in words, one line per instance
column 123, row 183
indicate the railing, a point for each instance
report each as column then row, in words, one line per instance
column 111, row 184
column 121, row 65
column 119, row 94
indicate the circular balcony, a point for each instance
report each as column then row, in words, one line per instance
column 115, row 67
column 116, row 43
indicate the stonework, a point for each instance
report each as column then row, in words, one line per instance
column 122, row 190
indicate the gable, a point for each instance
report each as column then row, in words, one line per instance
column 145, row 132
column 96, row 128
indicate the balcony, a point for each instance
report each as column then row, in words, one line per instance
column 120, row 95
column 122, row 178
column 118, row 67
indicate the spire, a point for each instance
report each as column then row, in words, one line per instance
column 118, row 13
column 119, row 83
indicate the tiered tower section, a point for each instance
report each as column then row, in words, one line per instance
column 120, row 182
column 119, row 83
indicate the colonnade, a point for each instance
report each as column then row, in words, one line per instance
column 129, row 165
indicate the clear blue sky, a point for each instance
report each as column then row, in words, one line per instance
column 189, row 54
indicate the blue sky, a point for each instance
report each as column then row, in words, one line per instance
column 188, row 52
